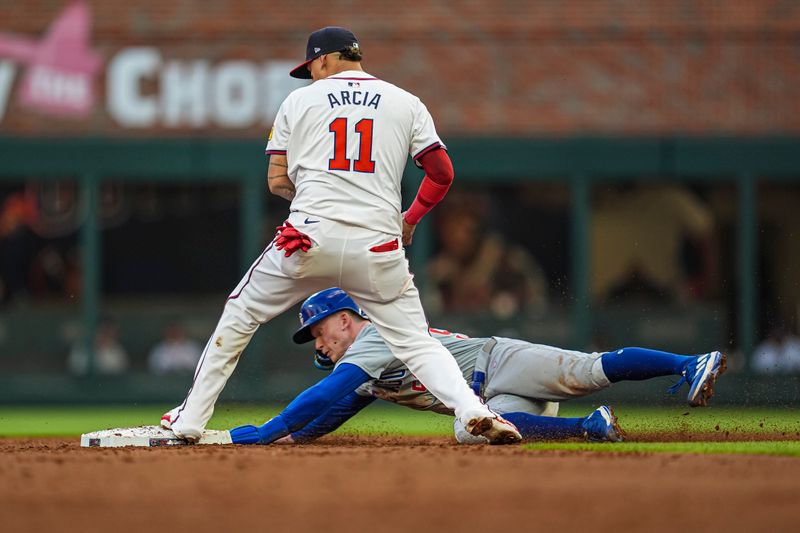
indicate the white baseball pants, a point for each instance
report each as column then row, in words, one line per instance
column 379, row 282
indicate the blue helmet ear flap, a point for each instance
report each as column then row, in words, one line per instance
column 323, row 362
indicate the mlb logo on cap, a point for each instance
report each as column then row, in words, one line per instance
column 324, row 41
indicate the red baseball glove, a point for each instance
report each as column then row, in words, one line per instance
column 290, row 239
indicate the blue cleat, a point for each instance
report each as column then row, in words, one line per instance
column 701, row 374
column 603, row 426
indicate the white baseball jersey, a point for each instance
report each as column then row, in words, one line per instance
column 347, row 138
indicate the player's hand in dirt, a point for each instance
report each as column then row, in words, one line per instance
column 290, row 239
column 408, row 231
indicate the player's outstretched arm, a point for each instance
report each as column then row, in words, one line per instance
column 278, row 177
column 309, row 405
column 333, row 418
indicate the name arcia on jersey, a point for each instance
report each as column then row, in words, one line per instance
column 354, row 98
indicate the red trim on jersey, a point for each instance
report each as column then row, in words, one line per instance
column 352, row 79
column 427, row 149
column 275, row 152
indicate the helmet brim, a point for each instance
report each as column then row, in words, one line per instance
column 303, row 335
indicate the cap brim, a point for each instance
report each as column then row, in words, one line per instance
column 301, row 71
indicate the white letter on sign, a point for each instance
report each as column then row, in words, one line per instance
column 183, row 93
column 235, row 94
column 126, row 103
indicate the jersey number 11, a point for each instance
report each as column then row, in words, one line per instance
column 364, row 163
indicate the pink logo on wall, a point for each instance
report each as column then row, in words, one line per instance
column 61, row 66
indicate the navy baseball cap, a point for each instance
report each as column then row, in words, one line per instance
column 324, row 41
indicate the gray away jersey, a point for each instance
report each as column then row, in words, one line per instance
column 391, row 379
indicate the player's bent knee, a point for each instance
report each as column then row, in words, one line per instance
column 511, row 403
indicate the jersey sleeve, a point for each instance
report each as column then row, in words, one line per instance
column 423, row 136
column 278, row 139
column 309, row 405
column 335, row 416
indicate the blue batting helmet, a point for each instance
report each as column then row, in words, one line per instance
column 320, row 305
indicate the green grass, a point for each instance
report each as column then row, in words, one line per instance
column 787, row 448
column 72, row 421
column 717, row 420
column 704, row 420
column 392, row 420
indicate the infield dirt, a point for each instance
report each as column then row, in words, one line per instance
column 388, row 484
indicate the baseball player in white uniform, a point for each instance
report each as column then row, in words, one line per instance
column 337, row 151
column 522, row 381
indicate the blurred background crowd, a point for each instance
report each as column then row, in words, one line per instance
column 653, row 257
column 501, row 253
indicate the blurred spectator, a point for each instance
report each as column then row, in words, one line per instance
column 779, row 242
column 38, row 257
column 175, row 353
column 779, row 353
column 478, row 270
column 18, row 214
column 109, row 355
column 653, row 242
column 55, row 271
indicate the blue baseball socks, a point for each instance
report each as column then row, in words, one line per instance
column 636, row 364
